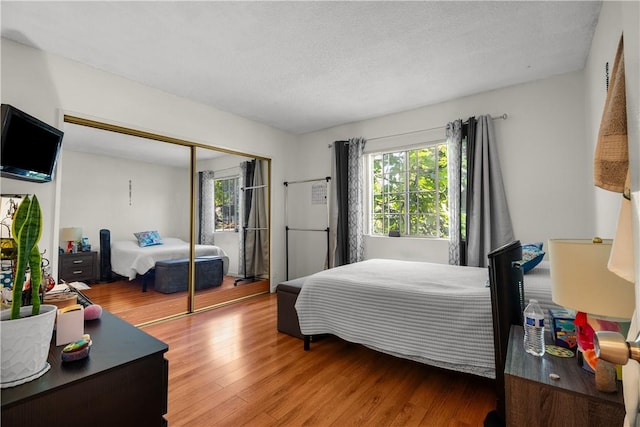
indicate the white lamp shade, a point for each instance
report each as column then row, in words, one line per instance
column 71, row 234
column 621, row 260
column 580, row 279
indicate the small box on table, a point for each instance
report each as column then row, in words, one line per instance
column 563, row 328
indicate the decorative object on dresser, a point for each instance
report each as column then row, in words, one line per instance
column 71, row 235
column 26, row 331
column 78, row 267
column 582, row 281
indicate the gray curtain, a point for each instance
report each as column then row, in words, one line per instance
column 254, row 239
column 489, row 221
column 454, row 143
column 245, row 179
column 349, row 183
column 207, row 220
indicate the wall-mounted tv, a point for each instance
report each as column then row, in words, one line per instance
column 30, row 147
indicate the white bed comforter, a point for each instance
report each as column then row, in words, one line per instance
column 436, row 314
column 128, row 259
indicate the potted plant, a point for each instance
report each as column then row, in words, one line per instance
column 26, row 331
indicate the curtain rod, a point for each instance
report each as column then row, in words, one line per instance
column 227, row 169
column 503, row 117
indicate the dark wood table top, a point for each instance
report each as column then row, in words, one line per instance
column 573, row 377
column 114, row 343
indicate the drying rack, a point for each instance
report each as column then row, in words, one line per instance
column 246, row 228
column 287, row 228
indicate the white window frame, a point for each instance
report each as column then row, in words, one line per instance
column 368, row 196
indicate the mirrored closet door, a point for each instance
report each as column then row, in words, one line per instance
column 166, row 234
column 228, row 214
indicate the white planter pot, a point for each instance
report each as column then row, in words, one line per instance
column 25, row 344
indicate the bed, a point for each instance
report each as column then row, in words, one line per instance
column 436, row 314
column 128, row 259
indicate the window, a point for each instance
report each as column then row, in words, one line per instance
column 409, row 192
column 226, row 203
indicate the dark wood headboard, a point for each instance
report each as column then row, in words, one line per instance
column 507, row 305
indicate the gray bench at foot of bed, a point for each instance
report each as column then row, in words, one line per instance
column 172, row 275
column 288, row 321
column 287, row 293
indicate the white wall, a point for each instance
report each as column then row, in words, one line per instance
column 45, row 85
column 542, row 148
column 159, row 197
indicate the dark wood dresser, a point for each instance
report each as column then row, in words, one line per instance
column 123, row 382
column 78, row 267
column 534, row 399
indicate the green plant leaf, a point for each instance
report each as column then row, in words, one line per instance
column 27, row 229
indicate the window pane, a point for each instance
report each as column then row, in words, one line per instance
column 395, row 203
column 409, row 192
column 226, row 196
column 396, row 222
column 378, row 204
column 378, row 184
column 376, row 165
column 377, row 224
column 395, row 163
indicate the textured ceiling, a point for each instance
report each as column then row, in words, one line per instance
column 305, row 66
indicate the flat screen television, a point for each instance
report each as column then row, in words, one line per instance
column 30, row 147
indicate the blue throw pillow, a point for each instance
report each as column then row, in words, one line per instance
column 148, row 238
column 532, row 254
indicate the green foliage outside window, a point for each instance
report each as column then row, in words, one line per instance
column 410, row 192
column 226, row 196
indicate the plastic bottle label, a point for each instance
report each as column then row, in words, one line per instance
column 532, row 322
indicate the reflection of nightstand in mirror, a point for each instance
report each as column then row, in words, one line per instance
column 78, row 267
column 534, row 399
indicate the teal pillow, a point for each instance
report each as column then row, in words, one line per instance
column 532, row 254
column 148, row 238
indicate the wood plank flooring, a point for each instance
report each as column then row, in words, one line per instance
column 125, row 298
column 230, row 367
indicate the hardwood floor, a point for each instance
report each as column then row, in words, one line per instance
column 125, row 298
column 231, row 367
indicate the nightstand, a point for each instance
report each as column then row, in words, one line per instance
column 78, row 267
column 534, row 399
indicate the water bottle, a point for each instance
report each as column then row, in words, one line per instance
column 534, row 329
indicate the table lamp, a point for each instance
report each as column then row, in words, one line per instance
column 612, row 346
column 581, row 280
column 71, row 235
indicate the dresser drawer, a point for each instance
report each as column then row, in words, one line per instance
column 81, row 266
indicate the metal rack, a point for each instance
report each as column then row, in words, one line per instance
column 245, row 228
column 286, row 221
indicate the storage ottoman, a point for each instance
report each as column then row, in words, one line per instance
column 172, row 275
column 287, row 294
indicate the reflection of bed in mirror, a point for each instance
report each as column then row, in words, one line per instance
column 130, row 260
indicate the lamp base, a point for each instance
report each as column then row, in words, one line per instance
column 606, row 377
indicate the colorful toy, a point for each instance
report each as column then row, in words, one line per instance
column 77, row 350
column 93, row 311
